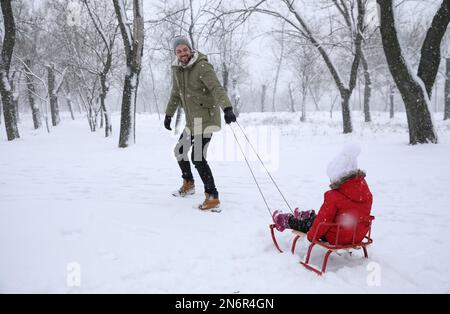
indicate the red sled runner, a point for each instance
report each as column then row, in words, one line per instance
column 330, row 247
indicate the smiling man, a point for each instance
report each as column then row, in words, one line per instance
column 197, row 90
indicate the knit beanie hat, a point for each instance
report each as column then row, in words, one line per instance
column 180, row 40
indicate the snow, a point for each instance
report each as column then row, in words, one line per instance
column 78, row 214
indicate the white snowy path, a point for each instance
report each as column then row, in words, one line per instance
column 72, row 196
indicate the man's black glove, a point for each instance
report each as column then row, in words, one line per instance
column 167, row 121
column 229, row 115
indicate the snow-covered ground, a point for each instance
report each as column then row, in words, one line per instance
column 78, row 214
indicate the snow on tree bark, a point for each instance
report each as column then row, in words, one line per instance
column 431, row 52
column 133, row 45
column 37, row 120
column 367, row 88
column 54, row 108
column 414, row 95
column 12, row 132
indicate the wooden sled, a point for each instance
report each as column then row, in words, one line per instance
column 330, row 247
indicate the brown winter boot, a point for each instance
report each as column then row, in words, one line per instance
column 188, row 188
column 210, row 202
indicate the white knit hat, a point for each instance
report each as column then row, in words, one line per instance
column 344, row 163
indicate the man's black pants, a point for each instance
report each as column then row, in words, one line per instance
column 199, row 144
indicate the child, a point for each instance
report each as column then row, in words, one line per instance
column 348, row 202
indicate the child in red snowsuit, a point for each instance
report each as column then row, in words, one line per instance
column 348, row 202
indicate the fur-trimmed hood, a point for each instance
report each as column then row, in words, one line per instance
column 354, row 186
column 337, row 184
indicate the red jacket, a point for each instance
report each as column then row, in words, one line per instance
column 349, row 202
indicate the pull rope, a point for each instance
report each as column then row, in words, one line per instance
column 262, row 163
column 251, row 171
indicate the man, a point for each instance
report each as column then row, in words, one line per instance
column 197, row 90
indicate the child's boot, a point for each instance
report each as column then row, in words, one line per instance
column 303, row 215
column 281, row 220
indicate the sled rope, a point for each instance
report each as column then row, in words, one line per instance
column 262, row 163
column 251, row 171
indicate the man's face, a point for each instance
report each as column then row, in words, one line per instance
column 183, row 53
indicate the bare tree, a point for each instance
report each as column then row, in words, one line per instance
column 279, row 63
column 346, row 9
column 53, row 94
column 108, row 35
column 415, row 90
column 299, row 24
column 133, row 45
column 31, row 92
column 161, row 32
column 225, row 36
column 302, row 57
column 12, row 131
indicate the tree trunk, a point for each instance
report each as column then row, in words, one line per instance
column 225, row 75
column 37, row 120
column 303, row 116
column 346, row 117
column 80, row 108
column 69, row 104
column 316, row 104
column 391, row 101
column 127, row 111
column 12, row 132
column 421, row 129
column 104, row 114
column 15, row 97
column 263, row 97
column 447, row 90
column 102, row 120
column 431, row 53
column 291, row 98
column 54, row 108
column 367, row 88
column 133, row 44
column 104, row 111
